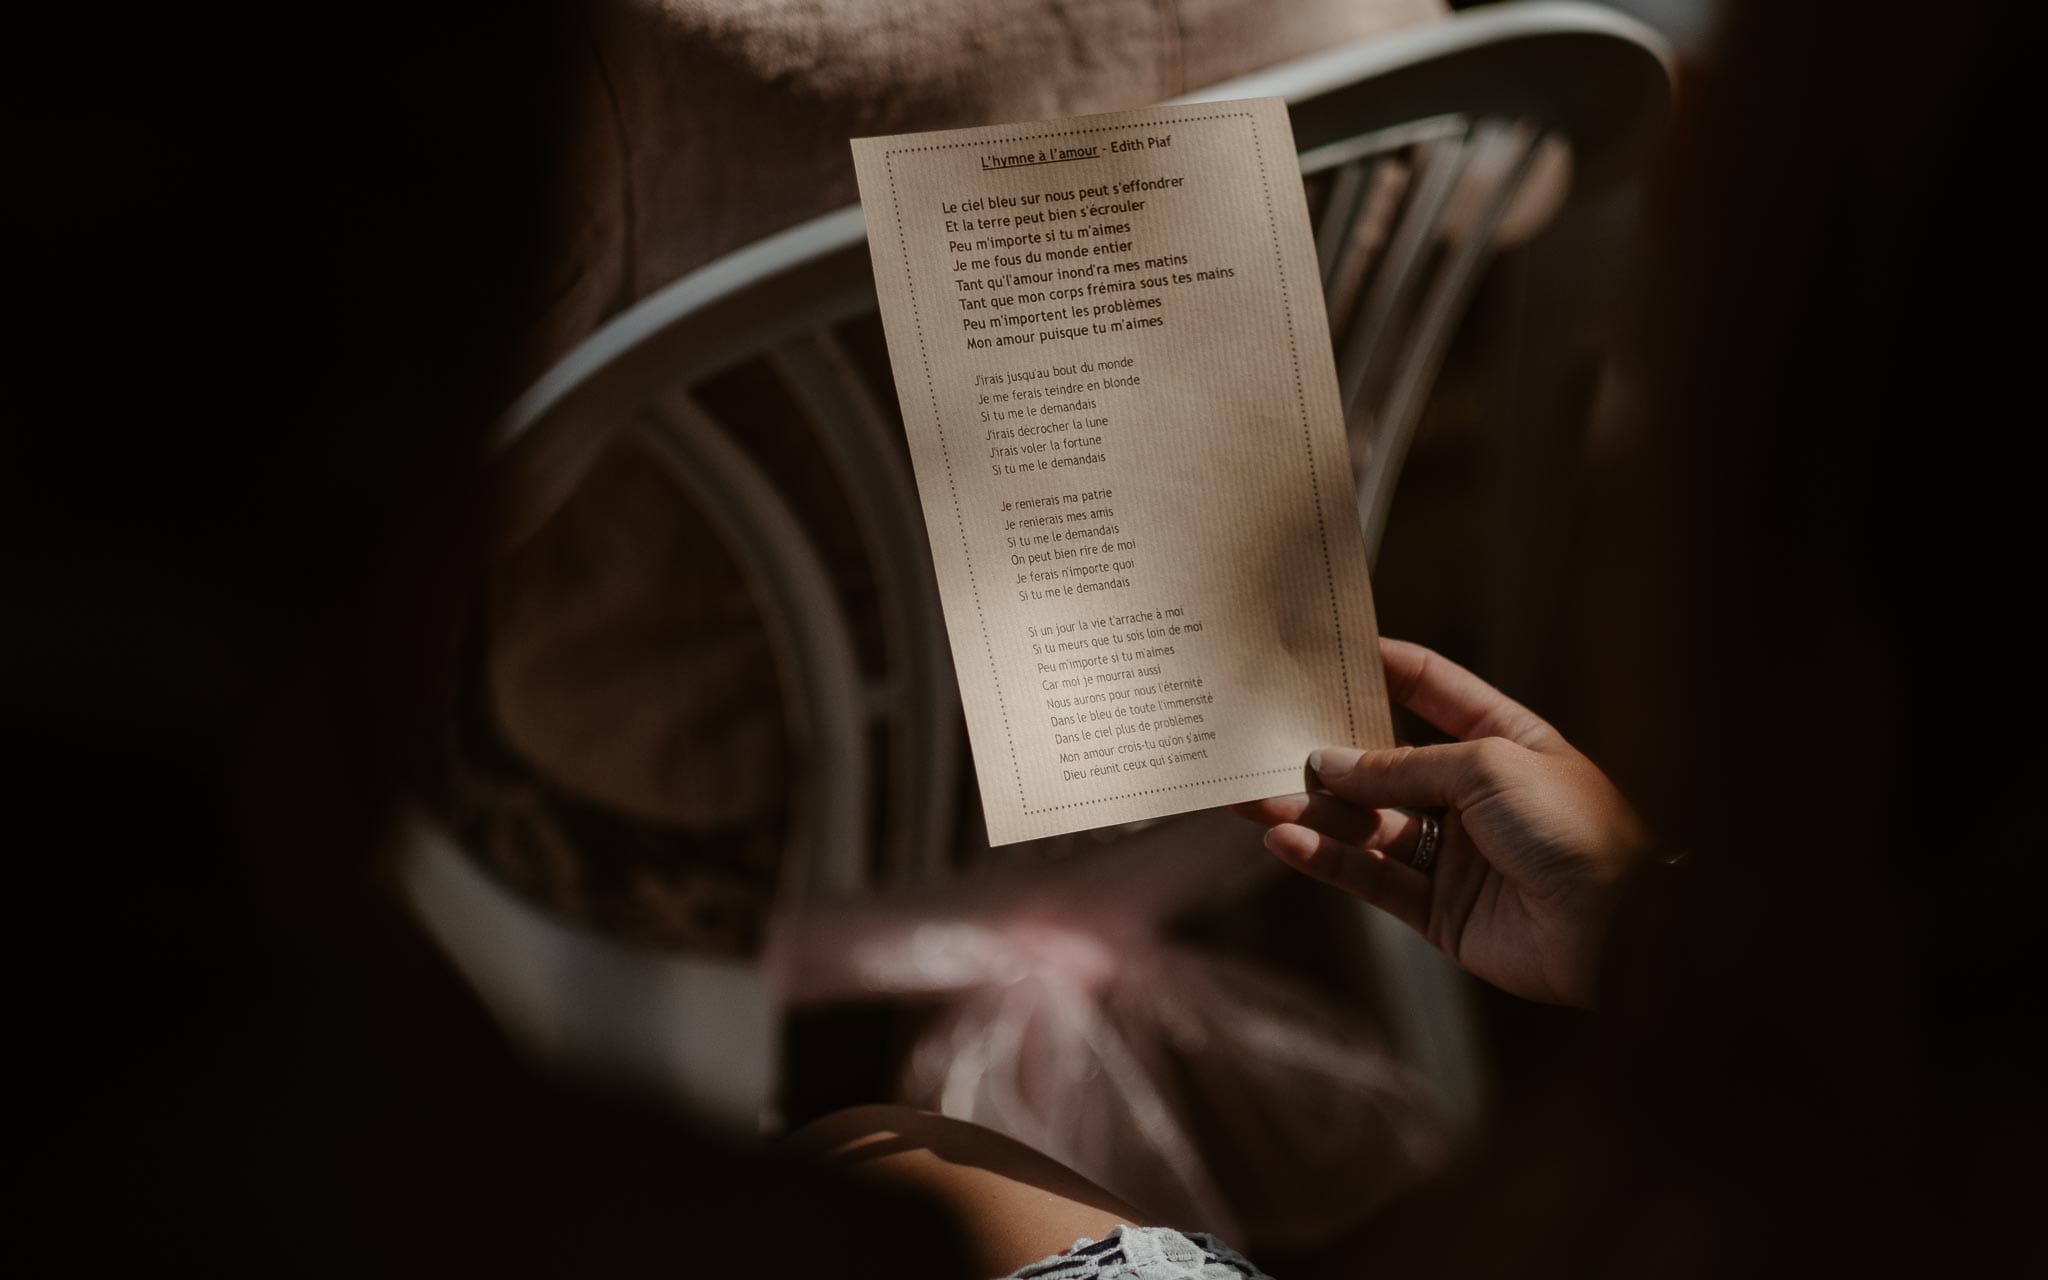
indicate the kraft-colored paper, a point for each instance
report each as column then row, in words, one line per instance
column 1109, row 340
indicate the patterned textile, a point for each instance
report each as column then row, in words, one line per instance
column 1144, row 1253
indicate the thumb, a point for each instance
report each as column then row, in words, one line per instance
column 1404, row 777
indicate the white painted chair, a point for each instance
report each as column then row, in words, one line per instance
column 1422, row 146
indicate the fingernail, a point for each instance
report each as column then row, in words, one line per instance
column 1331, row 763
column 1289, row 842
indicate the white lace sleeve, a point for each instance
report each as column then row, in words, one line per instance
column 1144, row 1253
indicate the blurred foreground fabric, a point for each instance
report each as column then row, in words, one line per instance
column 1061, row 1009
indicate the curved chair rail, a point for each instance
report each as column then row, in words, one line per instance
column 1401, row 122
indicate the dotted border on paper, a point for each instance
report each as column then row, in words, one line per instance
column 946, row 456
column 1296, row 771
column 1308, row 443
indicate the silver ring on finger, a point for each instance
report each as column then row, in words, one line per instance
column 1428, row 845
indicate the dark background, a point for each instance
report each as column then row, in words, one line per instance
column 263, row 270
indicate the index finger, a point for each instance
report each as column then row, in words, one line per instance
column 1458, row 702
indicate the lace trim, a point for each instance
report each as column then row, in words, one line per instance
column 1144, row 1253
